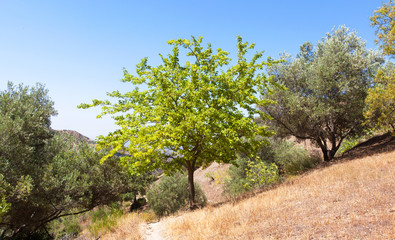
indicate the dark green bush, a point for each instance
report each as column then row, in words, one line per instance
column 171, row 194
column 71, row 228
column 65, row 228
column 234, row 184
column 291, row 158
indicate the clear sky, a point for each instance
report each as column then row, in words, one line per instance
column 79, row 48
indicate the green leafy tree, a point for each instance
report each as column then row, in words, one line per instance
column 380, row 102
column 384, row 20
column 190, row 114
column 327, row 86
column 47, row 175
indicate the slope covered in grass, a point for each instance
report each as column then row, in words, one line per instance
column 352, row 199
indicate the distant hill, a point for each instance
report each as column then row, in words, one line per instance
column 80, row 138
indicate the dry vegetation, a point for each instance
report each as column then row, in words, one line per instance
column 128, row 229
column 348, row 200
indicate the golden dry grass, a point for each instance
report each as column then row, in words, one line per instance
column 128, row 229
column 349, row 200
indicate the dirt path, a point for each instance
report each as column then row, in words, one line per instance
column 153, row 231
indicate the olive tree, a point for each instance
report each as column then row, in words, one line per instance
column 45, row 175
column 326, row 89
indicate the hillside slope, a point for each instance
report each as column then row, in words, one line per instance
column 352, row 199
column 78, row 136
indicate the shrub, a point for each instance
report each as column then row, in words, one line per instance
column 234, row 185
column 292, row 159
column 71, row 229
column 104, row 219
column 347, row 144
column 260, row 174
column 171, row 194
column 275, row 158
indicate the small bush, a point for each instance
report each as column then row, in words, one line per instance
column 104, row 219
column 66, row 227
column 292, row 159
column 234, row 185
column 276, row 159
column 171, row 194
column 72, row 229
column 261, row 174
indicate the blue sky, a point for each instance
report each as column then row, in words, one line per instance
column 79, row 48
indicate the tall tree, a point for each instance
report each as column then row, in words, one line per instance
column 44, row 175
column 327, row 87
column 380, row 103
column 384, row 20
column 190, row 114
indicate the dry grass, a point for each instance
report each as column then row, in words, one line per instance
column 128, row 229
column 349, row 200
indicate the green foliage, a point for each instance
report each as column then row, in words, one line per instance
column 348, row 144
column 384, row 20
column 234, row 185
column 171, row 194
column 72, row 229
column 4, row 205
column 190, row 114
column 104, row 219
column 66, row 228
column 291, row 158
column 277, row 158
column 327, row 86
column 380, row 102
column 260, row 174
column 49, row 175
column 351, row 142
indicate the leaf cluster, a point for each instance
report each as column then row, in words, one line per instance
column 380, row 102
column 384, row 21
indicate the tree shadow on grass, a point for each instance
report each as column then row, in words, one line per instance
column 375, row 145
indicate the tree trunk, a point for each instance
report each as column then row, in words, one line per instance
column 324, row 148
column 328, row 154
column 191, row 170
